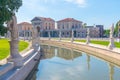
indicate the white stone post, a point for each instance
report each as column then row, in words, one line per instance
column 72, row 36
column 88, row 36
column 49, row 35
column 111, row 44
column 29, row 35
column 59, row 35
column 35, row 41
column 15, row 57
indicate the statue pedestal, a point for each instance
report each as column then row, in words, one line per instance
column 15, row 57
column 72, row 39
column 111, row 44
column 18, row 62
column 88, row 40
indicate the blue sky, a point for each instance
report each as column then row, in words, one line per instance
column 92, row 12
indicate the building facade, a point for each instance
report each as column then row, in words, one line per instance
column 44, row 25
column 24, row 29
column 101, row 30
column 67, row 25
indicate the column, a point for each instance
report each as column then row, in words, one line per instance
column 111, row 42
column 29, row 35
column 49, row 35
column 24, row 35
column 59, row 35
column 72, row 36
column 88, row 36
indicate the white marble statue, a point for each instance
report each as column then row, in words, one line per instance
column 14, row 52
column 88, row 36
column 59, row 35
column 111, row 44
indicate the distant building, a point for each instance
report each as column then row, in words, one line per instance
column 89, row 26
column 94, row 32
column 67, row 25
column 101, row 29
column 24, row 28
column 44, row 25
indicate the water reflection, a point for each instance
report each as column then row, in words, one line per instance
column 66, row 54
column 88, row 61
column 67, row 64
column 111, row 71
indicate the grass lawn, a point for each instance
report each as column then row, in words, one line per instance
column 105, row 43
column 5, row 48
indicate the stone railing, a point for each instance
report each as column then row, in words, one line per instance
column 10, row 72
column 5, row 68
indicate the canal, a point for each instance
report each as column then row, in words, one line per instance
column 67, row 64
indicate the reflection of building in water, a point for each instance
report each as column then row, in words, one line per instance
column 111, row 71
column 68, row 54
column 48, row 51
column 88, row 61
column 60, row 52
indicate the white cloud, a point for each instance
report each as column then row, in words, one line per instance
column 80, row 3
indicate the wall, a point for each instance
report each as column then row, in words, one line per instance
column 105, row 54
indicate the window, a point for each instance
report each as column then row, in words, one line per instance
column 72, row 26
column 63, row 26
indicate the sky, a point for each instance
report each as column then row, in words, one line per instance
column 98, row 12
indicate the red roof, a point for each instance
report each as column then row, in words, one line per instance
column 48, row 19
column 24, row 23
column 43, row 18
column 68, row 20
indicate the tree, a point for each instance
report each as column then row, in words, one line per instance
column 84, row 25
column 106, row 33
column 7, row 14
column 3, row 30
column 7, row 9
column 116, row 29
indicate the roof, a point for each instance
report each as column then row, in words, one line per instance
column 42, row 18
column 69, row 20
column 24, row 23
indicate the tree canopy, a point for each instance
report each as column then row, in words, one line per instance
column 106, row 33
column 7, row 9
column 116, row 29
